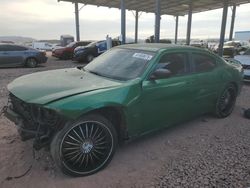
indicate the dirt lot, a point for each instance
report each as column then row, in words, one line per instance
column 206, row 152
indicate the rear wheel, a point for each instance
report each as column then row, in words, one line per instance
column 226, row 102
column 31, row 62
column 84, row 147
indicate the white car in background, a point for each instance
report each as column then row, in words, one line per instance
column 42, row 46
column 244, row 59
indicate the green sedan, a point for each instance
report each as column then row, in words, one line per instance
column 131, row 90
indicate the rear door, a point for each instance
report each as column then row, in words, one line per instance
column 205, row 69
column 3, row 55
column 13, row 55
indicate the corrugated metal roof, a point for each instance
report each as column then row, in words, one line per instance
column 169, row 7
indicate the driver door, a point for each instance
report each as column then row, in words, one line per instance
column 168, row 100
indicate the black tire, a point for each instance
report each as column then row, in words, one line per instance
column 89, row 58
column 226, row 102
column 31, row 62
column 84, row 147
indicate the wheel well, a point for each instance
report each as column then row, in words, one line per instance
column 30, row 58
column 117, row 118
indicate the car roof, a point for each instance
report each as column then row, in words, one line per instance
column 155, row 47
column 9, row 44
column 27, row 47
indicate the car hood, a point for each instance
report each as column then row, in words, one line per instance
column 48, row 86
column 80, row 48
column 62, row 48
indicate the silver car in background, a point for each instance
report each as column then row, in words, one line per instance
column 244, row 60
column 16, row 55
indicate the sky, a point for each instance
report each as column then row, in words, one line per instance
column 48, row 19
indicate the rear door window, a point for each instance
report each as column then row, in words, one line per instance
column 12, row 48
column 18, row 48
column 203, row 62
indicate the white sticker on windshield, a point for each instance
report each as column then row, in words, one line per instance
column 143, row 56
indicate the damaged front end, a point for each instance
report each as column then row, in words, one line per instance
column 33, row 121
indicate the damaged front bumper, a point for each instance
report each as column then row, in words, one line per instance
column 33, row 121
column 24, row 132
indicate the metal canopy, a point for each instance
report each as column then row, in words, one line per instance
column 168, row 7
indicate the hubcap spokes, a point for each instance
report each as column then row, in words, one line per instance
column 86, row 147
column 227, row 102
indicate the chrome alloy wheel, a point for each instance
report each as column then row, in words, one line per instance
column 227, row 101
column 86, row 147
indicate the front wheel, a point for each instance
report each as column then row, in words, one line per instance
column 84, row 147
column 226, row 102
column 31, row 63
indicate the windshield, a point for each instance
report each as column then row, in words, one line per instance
column 120, row 64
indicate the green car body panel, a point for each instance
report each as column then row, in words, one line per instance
column 145, row 104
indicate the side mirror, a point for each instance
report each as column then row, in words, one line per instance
column 160, row 74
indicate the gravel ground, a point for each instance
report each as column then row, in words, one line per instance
column 205, row 152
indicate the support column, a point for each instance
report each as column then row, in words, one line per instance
column 136, row 26
column 77, row 22
column 157, row 20
column 190, row 14
column 232, row 22
column 176, row 29
column 123, row 21
column 223, row 28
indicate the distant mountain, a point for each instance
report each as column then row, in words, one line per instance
column 17, row 39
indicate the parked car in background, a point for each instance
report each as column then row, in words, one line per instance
column 94, row 49
column 151, row 39
column 126, row 92
column 67, row 51
column 238, row 45
column 244, row 59
column 42, row 46
column 66, row 39
column 229, row 51
column 199, row 43
column 15, row 55
column 232, row 48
